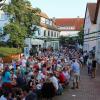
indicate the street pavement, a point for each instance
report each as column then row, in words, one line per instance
column 89, row 88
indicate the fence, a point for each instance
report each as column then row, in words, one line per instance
column 8, row 59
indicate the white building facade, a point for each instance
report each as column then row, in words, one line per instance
column 98, row 31
column 47, row 34
column 89, row 28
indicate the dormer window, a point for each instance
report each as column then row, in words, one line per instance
column 42, row 20
column 47, row 21
column 51, row 22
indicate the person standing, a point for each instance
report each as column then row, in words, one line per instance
column 94, row 63
column 89, row 65
column 76, row 74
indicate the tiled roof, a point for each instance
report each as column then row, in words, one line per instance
column 42, row 14
column 92, row 9
column 50, row 27
column 97, row 10
column 77, row 23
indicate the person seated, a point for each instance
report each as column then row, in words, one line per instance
column 48, row 90
column 62, row 78
column 29, row 94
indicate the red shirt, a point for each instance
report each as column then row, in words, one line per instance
column 62, row 78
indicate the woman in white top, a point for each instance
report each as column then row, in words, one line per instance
column 89, row 65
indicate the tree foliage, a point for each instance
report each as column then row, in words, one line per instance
column 81, row 37
column 66, row 40
column 62, row 40
column 21, row 18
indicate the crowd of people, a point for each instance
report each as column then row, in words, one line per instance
column 40, row 76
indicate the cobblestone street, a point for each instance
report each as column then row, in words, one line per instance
column 89, row 88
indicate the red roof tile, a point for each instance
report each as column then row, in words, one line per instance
column 73, row 22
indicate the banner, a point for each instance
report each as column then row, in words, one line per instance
column 26, row 51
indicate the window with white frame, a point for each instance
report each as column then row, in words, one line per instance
column 49, row 33
column 44, row 32
column 47, row 21
column 54, row 34
column 39, row 32
column 88, row 30
column 57, row 34
column 51, row 22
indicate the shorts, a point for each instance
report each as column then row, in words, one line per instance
column 76, row 78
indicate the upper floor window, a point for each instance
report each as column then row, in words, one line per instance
column 44, row 32
column 88, row 31
column 51, row 22
column 39, row 32
column 47, row 21
column 84, row 31
column 48, row 33
column 51, row 33
column 58, row 34
column 54, row 34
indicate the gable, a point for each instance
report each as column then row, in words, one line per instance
column 92, row 9
column 87, row 20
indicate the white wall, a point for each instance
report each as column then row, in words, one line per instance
column 30, row 41
column 90, row 42
column 88, row 23
column 54, row 44
column 89, row 28
column 98, row 36
column 4, row 19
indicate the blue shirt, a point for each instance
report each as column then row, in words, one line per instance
column 76, row 68
column 7, row 77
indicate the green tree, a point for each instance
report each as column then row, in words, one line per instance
column 81, row 37
column 62, row 40
column 21, row 16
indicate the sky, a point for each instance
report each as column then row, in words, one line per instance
column 62, row 8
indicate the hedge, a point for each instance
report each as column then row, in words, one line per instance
column 6, row 51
